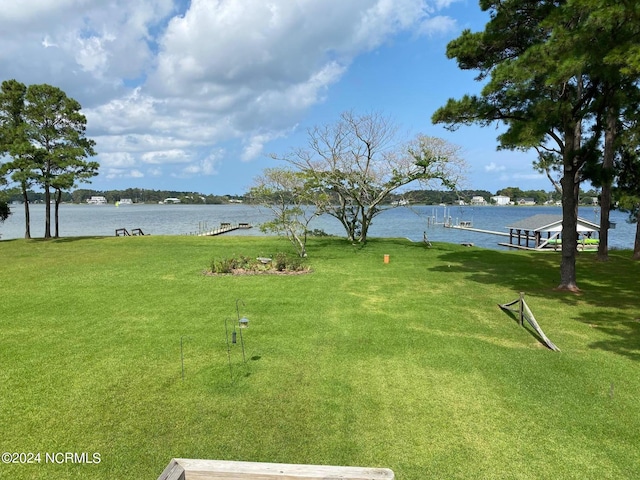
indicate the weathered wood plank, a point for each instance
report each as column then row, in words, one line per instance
column 532, row 321
column 525, row 313
column 195, row 469
column 174, row 471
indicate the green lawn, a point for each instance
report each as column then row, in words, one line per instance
column 409, row 365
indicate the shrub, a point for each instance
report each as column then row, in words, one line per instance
column 222, row 266
column 281, row 262
column 316, row 232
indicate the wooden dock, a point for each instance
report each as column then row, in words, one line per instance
column 471, row 229
column 224, row 228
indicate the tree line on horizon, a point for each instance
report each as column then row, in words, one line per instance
column 136, row 195
column 423, row 197
column 435, row 197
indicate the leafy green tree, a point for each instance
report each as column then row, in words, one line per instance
column 514, row 193
column 539, row 88
column 627, row 191
column 58, row 145
column 15, row 143
column 5, row 211
column 606, row 42
column 286, row 194
column 360, row 160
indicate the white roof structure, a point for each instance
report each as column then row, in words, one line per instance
column 551, row 223
column 533, row 228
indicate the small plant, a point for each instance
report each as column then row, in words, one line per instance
column 281, row 262
column 317, row 232
column 225, row 265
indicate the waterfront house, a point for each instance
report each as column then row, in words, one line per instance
column 501, row 200
column 97, row 200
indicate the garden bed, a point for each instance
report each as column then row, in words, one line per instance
column 279, row 264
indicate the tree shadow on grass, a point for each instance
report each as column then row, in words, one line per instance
column 74, row 239
column 602, row 284
column 622, row 328
column 608, row 289
column 54, row 240
column 510, row 270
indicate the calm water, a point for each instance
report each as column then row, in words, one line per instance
column 103, row 220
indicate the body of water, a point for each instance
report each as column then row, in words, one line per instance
column 406, row 222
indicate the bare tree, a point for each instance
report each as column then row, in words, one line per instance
column 353, row 165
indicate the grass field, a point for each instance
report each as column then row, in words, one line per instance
column 409, row 365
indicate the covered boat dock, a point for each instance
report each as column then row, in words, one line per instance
column 544, row 232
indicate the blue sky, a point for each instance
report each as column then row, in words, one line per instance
column 194, row 96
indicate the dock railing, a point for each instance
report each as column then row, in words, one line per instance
column 225, row 227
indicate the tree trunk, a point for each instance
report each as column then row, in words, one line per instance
column 365, row 216
column 27, row 216
column 58, row 198
column 47, row 212
column 570, row 191
column 605, row 197
column 636, row 245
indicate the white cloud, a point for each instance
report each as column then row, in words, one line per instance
column 493, row 167
column 22, row 14
column 92, row 54
column 114, row 173
column 117, row 159
column 46, row 42
column 437, row 25
column 203, row 167
column 163, row 87
column 165, row 156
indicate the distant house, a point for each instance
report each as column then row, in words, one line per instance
column 478, row 200
column 97, row 200
column 526, row 201
column 501, row 200
column 171, row 200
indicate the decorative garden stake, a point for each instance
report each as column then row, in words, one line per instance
column 242, row 323
column 226, row 332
